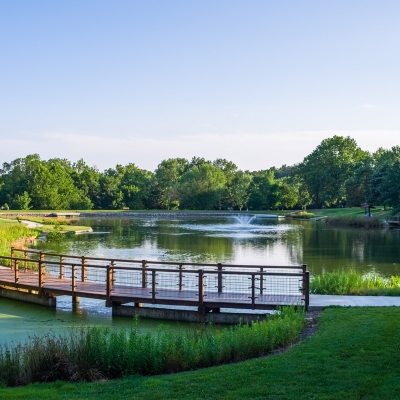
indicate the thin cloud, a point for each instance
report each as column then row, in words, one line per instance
column 249, row 151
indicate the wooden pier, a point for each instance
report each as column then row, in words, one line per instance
column 208, row 287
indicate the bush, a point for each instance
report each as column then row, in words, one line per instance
column 56, row 236
column 301, row 215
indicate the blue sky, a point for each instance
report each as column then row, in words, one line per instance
column 260, row 83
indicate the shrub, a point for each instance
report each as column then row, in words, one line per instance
column 301, row 215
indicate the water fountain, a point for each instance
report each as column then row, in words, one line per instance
column 245, row 219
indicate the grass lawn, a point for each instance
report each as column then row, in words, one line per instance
column 62, row 228
column 354, row 355
column 350, row 212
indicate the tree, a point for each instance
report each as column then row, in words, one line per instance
column 164, row 193
column 358, row 186
column 21, row 202
column 238, row 191
column 53, row 188
column 87, row 179
column 389, row 187
column 263, row 191
column 201, row 188
column 288, row 194
column 16, row 178
column 325, row 171
column 386, row 157
column 135, row 185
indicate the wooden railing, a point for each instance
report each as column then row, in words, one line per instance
column 205, row 285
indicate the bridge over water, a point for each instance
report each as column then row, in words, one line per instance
column 41, row 276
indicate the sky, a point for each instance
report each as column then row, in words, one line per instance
column 260, row 83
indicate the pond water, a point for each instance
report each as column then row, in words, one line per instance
column 239, row 240
column 19, row 320
column 234, row 240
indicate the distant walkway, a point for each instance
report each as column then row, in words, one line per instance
column 29, row 224
column 319, row 301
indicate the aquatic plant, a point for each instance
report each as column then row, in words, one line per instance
column 353, row 283
column 92, row 353
column 14, row 235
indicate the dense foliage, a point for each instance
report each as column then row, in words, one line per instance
column 337, row 173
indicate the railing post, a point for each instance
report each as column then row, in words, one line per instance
column 153, row 286
column 12, row 257
column 109, row 285
column 144, row 274
column 16, row 272
column 219, row 277
column 41, row 273
column 83, row 273
column 201, row 292
column 75, row 299
column 306, row 288
column 112, row 272
column 73, row 280
column 61, row 267
column 261, row 280
column 26, row 260
column 253, row 290
column 180, row 276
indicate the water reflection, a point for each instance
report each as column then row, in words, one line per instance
column 227, row 240
column 19, row 320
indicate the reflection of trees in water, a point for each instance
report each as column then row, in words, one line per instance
column 321, row 247
column 327, row 249
column 196, row 247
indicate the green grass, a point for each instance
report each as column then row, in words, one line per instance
column 377, row 212
column 62, row 228
column 13, row 234
column 354, row 355
column 352, row 283
column 95, row 353
column 300, row 215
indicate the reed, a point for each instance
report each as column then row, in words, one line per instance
column 94, row 353
column 15, row 235
column 353, row 283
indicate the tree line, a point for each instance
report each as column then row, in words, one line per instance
column 337, row 173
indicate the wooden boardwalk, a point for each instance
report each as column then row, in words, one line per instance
column 205, row 286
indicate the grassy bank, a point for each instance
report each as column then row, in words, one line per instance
column 352, row 283
column 14, row 234
column 354, row 355
column 300, row 215
column 96, row 353
column 355, row 221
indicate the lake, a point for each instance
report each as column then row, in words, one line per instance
column 239, row 240
column 234, row 240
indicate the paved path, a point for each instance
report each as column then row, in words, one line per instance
column 318, row 301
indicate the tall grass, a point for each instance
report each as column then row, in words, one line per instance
column 352, row 283
column 14, row 235
column 93, row 353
